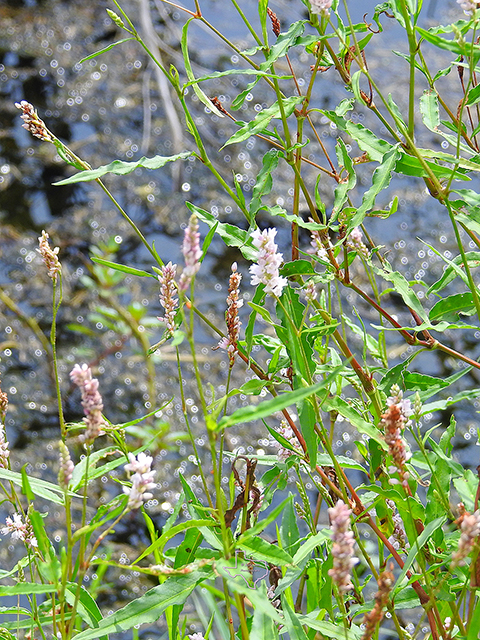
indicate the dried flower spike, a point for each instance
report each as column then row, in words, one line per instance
column 394, row 421
column 266, row 271
column 32, row 122
column 372, row 619
column 275, row 21
column 342, row 548
column 142, row 480
column 230, row 342
column 191, row 253
column 167, row 296
column 49, row 255
column 92, row 402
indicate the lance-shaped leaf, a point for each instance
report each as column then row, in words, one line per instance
column 282, row 401
column 263, row 119
column 149, row 607
column 121, row 168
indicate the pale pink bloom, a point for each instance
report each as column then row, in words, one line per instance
column 66, row 466
column 32, row 122
column 4, row 450
column 168, row 299
column 20, row 530
column 317, row 247
column 49, row 255
column 196, row 636
column 321, row 6
column 469, row 6
column 142, row 480
column 266, row 271
column 310, row 291
column 286, row 431
column 470, row 530
column 342, row 548
column 191, row 253
column 92, row 402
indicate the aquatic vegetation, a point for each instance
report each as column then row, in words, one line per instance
column 384, row 541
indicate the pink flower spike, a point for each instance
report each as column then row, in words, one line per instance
column 266, row 271
column 168, row 300
column 342, row 548
column 191, row 253
column 142, row 480
column 92, row 402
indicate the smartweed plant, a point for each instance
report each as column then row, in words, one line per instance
column 388, row 544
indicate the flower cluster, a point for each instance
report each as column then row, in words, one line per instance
column 287, row 432
column 66, row 466
column 266, row 271
column 317, row 247
column 142, row 480
column 469, row 6
column 355, row 241
column 191, row 253
column 398, row 539
column 470, row 530
column 167, row 296
column 49, row 255
column 20, row 530
column 321, row 7
column 32, row 122
column 230, row 342
column 92, row 402
column 371, row 619
column 394, row 421
column 342, row 548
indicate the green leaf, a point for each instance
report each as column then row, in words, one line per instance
column 231, row 72
column 105, row 49
column 282, row 401
column 123, row 268
column 191, row 76
column 121, row 168
column 231, row 235
column 284, row 42
column 86, row 607
column 159, row 544
column 23, row 588
column 450, row 307
column 264, row 182
column 311, row 543
column 455, row 46
column 380, row 181
column 347, row 182
column 330, row 629
column 233, row 571
column 426, row 534
column 263, row 627
column 261, row 550
column 335, row 403
column 149, row 607
column 292, row 623
column 474, row 623
column 263, row 119
column 453, row 269
column 430, row 110
column 40, row 488
column 289, row 533
column 402, row 286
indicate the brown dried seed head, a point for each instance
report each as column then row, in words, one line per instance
column 275, row 21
